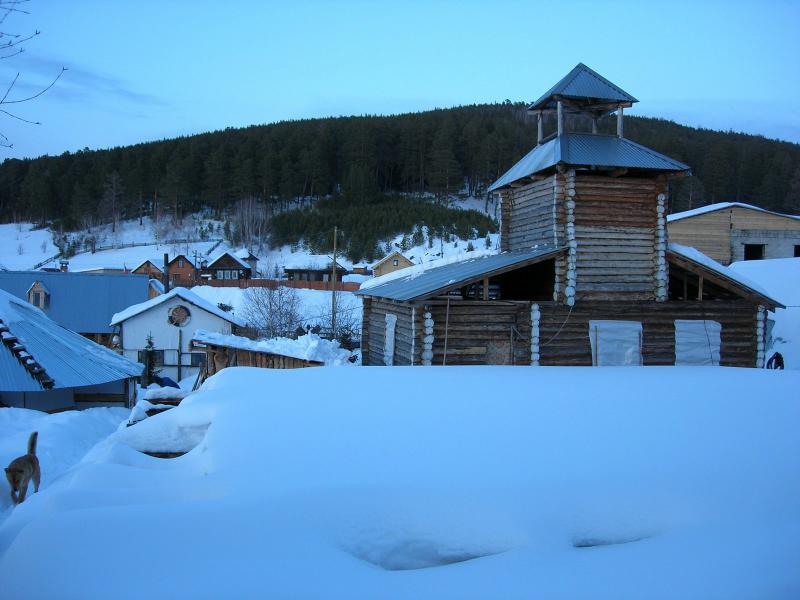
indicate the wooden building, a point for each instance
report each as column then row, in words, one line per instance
column 149, row 268
column 731, row 231
column 182, row 271
column 228, row 266
column 315, row 272
column 585, row 275
column 390, row 263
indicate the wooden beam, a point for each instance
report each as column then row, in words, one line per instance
column 539, row 129
column 700, row 288
column 485, row 288
column 560, row 118
column 619, row 121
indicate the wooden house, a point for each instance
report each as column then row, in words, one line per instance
column 149, row 268
column 390, row 263
column 182, row 272
column 314, row 271
column 731, row 231
column 228, row 266
column 585, row 275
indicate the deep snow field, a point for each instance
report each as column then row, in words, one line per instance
column 403, row 482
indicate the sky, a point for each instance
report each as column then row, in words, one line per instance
column 149, row 70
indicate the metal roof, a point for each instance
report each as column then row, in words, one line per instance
column 436, row 280
column 582, row 82
column 82, row 302
column 68, row 358
column 233, row 256
column 687, row 214
column 589, row 150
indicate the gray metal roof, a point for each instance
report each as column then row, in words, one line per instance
column 437, row 280
column 583, row 83
column 68, row 358
column 589, row 150
column 82, row 302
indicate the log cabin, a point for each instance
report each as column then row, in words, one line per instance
column 585, row 276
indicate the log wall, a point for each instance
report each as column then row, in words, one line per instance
column 373, row 332
column 480, row 333
column 529, row 215
column 571, row 345
column 615, row 229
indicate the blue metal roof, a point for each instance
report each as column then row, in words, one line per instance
column 588, row 150
column 437, row 280
column 69, row 359
column 82, row 302
column 583, row 83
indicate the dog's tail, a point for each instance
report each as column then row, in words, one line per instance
column 32, row 442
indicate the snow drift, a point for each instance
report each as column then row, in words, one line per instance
column 403, row 482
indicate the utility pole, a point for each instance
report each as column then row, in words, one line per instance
column 333, row 286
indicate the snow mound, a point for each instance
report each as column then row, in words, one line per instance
column 306, row 347
column 405, row 482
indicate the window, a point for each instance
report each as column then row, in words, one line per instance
column 753, row 251
column 198, row 359
column 697, row 342
column 797, row 251
column 158, row 357
column 388, row 340
column 180, row 263
column 616, row 343
column 36, row 298
column 220, row 275
column 395, row 263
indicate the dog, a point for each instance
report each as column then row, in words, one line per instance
column 24, row 469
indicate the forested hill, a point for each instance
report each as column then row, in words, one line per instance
column 439, row 152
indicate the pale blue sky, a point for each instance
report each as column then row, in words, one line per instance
column 148, row 70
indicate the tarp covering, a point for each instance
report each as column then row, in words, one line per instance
column 697, row 342
column 616, row 343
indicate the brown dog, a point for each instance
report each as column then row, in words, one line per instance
column 24, row 469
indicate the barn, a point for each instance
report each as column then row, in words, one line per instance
column 585, row 276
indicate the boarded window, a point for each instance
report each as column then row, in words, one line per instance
column 388, row 343
column 616, row 343
column 697, row 342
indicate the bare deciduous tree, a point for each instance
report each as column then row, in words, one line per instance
column 11, row 44
column 274, row 311
column 249, row 223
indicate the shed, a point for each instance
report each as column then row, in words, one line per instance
column 314, row 271
column 732, row 231
column 45, row 366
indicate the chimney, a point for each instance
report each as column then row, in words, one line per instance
column 64, row 265
column 166, row 273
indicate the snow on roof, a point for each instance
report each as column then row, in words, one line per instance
column 157, row 285
column 182, row 293
column 721, row 206
column 152, row 261
column 69, row 359
column 244, row 253
column 698, row 257
column 417, row 270
column 309, row 347
column 780, row 276
column 233, row 256
column 316, row 262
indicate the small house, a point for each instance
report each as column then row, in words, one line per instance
column 170, row 320
column 228, row 266
column 182, row 271
column 81, row 302
column 45, row 366
column 315, row 270
column 388, row 264
column 585, row 276
column 732, row 231
column 149, row 268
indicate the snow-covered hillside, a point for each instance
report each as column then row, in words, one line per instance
column 496, row 482
column 21, row 246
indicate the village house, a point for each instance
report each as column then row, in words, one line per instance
column 731, row 231
column 388, row 264
column 585, row 276
column 170, row 320
column 45, row 366
column 81, row 302
column 314, row 270
column 149, row 268
column 182, row 271
column 228, row 266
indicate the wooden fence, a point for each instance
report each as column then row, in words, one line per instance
column 346, row 286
